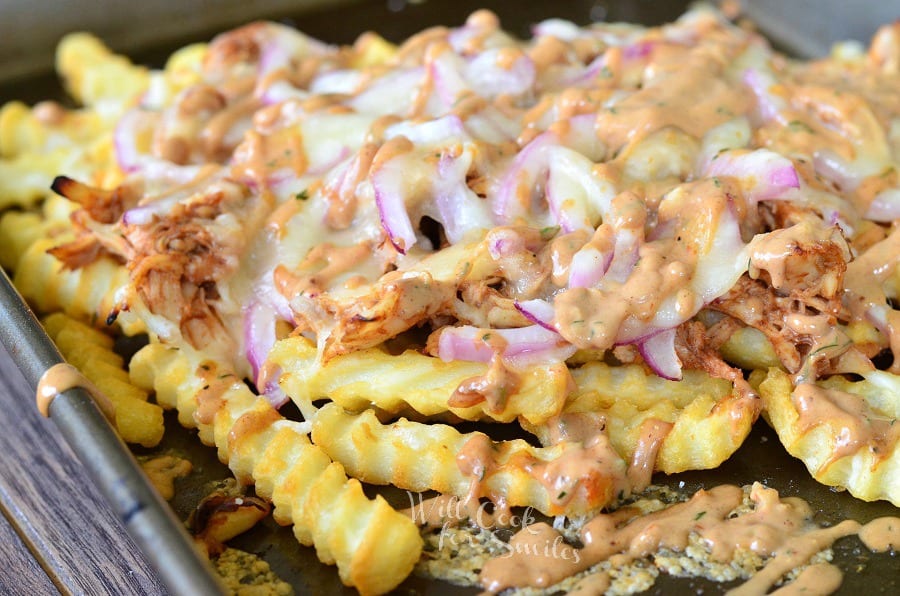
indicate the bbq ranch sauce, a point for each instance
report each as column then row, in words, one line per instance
column 717, row 520
column 630, row 195
column 61, row 377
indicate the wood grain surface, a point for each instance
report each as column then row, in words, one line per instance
column 61, row 516
column 20, row 572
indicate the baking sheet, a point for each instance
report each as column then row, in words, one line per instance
column 761, row 458
column 106, row 458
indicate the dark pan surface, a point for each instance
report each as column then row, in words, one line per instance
column 761, row 458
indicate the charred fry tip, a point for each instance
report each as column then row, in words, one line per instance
column 62, row 185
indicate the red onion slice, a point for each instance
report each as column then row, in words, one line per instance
column 280, row 91
column 521, row 347
column 582, row 77
column 455, row 206
column 131, row 126
column 638, row 50
column 885, row 207
column 537, row 311
column 488, row 76
column 446, row 71
column 389, row 198
column 139, row 216
column 576, row 197
column 280, row 44
column 658, row 351
column 465, row 343
column 259, row 334
column 274, row 394
column 483, row 32
column 460, row 37
column 588, row 267
column 768, row 105
column 344, row 82
column 432, row 132
column 835, row 168
column 625, row 256
column 390, row 94
column 763, row 174
column 259, row 337
column 492, row 126
column 877, row 314
column 458, row 208
column 535, row 345
column 528, row 170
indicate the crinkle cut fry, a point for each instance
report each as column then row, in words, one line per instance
column 33, row 151
column 91, row 352
column 94, row 74
column 872, row 471
column 710, row 418
column 373, row 546
column 87, row 294
column 419, row 457
column 391, row 383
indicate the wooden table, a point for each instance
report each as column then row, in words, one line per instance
column 57, row 535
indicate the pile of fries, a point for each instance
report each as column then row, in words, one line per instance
column 623, row 242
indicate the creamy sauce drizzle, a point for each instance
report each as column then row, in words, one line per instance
column 162, row 471
column 859, row 426
column 797, row 552
column 653, row 433
column 210, row 397
column 864, row 293
column 658, row 233
column 780, row 529
column 493, row 387
column 585, row 474
column 60, row 378
column 882, row 534
column 821, row 578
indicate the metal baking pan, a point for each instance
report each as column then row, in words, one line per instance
column 803, row 27
column 146, row 517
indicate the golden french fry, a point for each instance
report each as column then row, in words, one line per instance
column 87, row 294
column 709, row 419
column 328, row 510
column 91, row 351
column 421, row 457
column 372, row 377
column 841, row 449
column 93, row 74
column 749, row 349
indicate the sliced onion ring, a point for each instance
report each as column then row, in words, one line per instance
column 259, row 337
column 658, row 351
column 588, row 267
column 387, row 184
column 763, row 174
column 885, row 207
column 520, row 347
column 539, row 312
